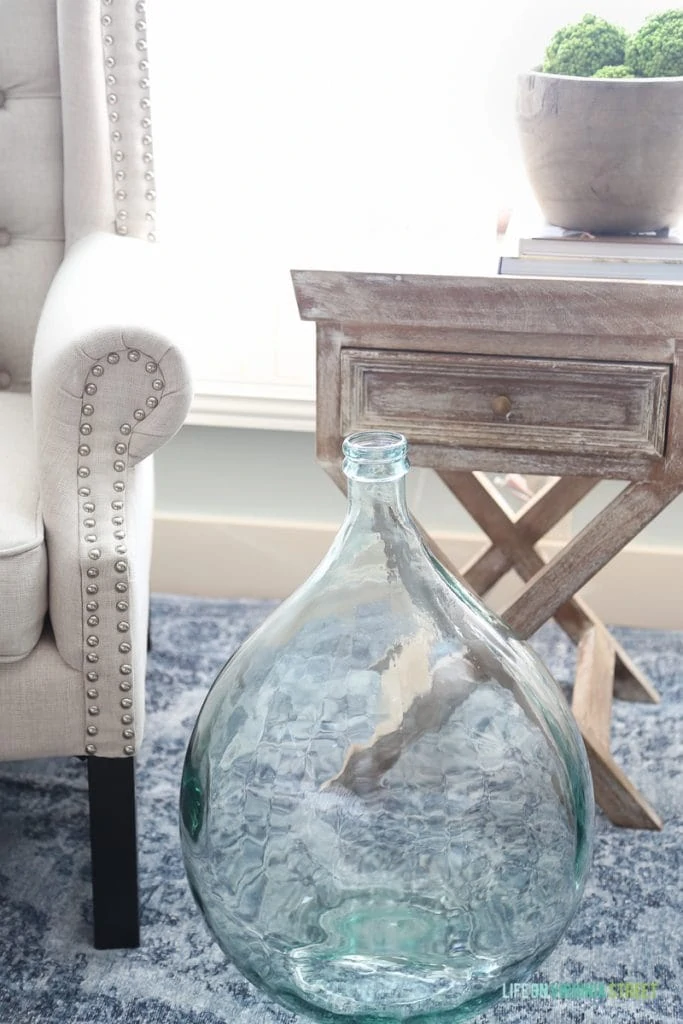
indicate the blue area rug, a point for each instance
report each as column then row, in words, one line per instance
column 629, row 927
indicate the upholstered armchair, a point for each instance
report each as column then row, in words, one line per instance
column 92, row 382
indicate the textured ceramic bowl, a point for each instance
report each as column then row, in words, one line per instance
column 603, row 155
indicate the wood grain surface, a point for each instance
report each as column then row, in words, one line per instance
column 630, row 309
column 525, row 405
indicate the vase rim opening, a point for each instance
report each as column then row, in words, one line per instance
column 375, row 454
column 375, row 446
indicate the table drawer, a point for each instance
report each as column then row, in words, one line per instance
column 601, row 409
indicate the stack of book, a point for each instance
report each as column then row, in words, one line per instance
column 543, row 250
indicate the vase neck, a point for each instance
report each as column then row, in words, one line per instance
column 366, row 497
column 376, row 465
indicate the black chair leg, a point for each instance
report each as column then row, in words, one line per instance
column 113, row 843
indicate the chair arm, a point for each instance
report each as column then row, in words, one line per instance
column 111, row 297
column 109, row 388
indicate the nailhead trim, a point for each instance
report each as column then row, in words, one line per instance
column 125, row 142
column 101, row 539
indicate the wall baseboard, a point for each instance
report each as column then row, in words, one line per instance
column 219, row 557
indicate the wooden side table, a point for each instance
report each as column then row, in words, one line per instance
column 579, row 380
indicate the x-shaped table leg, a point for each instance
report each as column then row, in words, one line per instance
column 513, row 548
column 548, row 592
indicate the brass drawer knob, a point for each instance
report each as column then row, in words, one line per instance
column 502, row 406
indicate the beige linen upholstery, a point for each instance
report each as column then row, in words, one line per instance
column 31, row 177
column 106, row 118
column 86, row 325
column 92, row 383
column 42, row 698
column 109, row 386
column 23, row 559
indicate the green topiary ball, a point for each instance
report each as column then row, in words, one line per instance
column 584, row 48
column 656, row 49
column 615, row 71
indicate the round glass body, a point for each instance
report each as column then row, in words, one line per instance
column 386, row 807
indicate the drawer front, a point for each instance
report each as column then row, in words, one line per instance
column 530, row 405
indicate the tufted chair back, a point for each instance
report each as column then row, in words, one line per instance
column 75, row 148
column 31, row 177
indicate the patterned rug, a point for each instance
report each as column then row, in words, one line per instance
column 628, row 929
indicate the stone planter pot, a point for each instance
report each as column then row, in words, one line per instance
column 603, row 155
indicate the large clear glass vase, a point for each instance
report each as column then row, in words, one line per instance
column 386, row 807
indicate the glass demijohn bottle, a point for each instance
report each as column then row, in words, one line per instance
column 386, row 807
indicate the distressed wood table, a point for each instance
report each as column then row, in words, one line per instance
column 578, row 380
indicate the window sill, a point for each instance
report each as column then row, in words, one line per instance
column 253, row 406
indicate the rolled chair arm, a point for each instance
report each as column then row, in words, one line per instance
column 111, row 296
column 110, row 386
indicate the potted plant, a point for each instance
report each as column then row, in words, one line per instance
column 601, row 126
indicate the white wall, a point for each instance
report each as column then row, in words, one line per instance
column 249, row 513
column 266, row 474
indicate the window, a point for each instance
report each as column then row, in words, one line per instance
column 370, row 136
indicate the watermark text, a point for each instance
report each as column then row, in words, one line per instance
column 639, row 990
